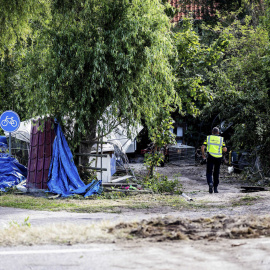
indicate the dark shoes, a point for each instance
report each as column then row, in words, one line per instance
column 210, row 188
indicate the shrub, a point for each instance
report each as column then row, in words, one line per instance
column 159, row 183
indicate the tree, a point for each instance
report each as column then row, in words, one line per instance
column 240, row 85
column 101, row 54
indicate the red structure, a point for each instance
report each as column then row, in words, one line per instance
column 195, row 9
column 41, row 147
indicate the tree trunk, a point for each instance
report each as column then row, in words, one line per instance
column 153, row 165
column 86, row 144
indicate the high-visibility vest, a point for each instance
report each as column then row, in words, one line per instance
column 214, row 145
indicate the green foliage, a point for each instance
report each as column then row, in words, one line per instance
column 265, row 20
column 16, row 17
column 161, row 184
column 112, row 195
column 11, row 95
column 170, row 10
column 118, row 60
column 10, row 190
column 160, row 125
column 153, row 159
column 240, row 85
column 25, row 223
column 160, row 135
column 192, row 65
column 96, row 55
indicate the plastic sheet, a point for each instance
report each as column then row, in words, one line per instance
column 63, row 176
column 113, row 164
column 3, row 139
column 3, row 144
column 11, row 172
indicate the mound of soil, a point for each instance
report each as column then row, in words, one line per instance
column 168, row 228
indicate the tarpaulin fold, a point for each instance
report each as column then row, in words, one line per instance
column 11, row 172
column 63, row 175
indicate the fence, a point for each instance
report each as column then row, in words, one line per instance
column 181, row 155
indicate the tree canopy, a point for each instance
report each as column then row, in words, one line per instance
column 101, row 54
column 124, row 60
column 16, row 17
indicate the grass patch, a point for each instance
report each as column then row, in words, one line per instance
column 93, row 205
column 249, row 198
column 246, row 200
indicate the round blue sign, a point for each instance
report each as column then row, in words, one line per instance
column 9, row 121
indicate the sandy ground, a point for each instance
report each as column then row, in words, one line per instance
column 147, row 253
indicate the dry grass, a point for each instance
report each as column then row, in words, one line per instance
column 67, row 234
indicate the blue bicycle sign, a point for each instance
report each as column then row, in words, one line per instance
column 9, row 121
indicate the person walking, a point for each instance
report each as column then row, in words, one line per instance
column 214, row 145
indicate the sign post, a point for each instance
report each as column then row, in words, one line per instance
column 9, row 122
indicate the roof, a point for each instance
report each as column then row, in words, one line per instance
column 192, row 8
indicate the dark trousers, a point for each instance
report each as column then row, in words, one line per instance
column 213, row 163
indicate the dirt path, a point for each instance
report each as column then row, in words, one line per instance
column 229, row 201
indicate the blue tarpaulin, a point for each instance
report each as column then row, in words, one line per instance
column 11, row 172
column 3, row 144
column 63, row 175
column 3, row 139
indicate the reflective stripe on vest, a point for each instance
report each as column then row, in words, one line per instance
column 214, row 145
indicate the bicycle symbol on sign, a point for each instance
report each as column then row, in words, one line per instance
column 10, row 121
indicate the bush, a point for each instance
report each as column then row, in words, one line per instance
column 159, row 183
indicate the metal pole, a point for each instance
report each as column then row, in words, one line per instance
column 10, row 144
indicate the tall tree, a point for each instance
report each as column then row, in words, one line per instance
column 101, row 54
